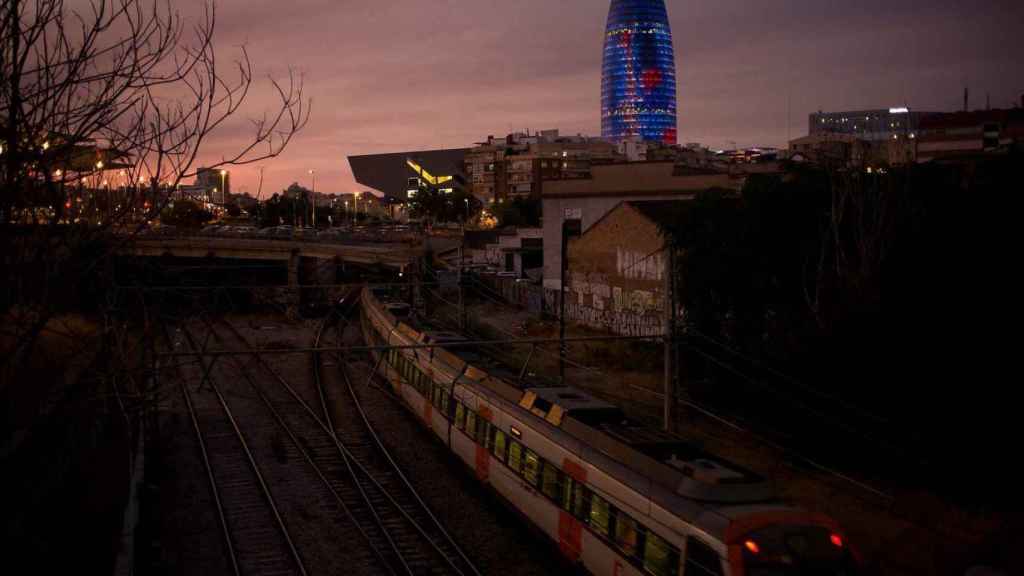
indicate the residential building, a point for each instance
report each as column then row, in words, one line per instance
column 589, row 199
column 960, row 134
column 517, row 165
column 638, row 80
column 852, row 151
column 216, row 182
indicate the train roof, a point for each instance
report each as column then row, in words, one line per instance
column 719, row 490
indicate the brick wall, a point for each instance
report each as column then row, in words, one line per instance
column 617, row 274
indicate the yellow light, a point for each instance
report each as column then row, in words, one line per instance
column 46, row 145
column 99, row 165
column 223, row 172
column 58, row 173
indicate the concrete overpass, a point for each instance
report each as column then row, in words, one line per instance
column 288, row 252
column 391, row 255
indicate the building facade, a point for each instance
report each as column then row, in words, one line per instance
column 590, row 199
column 517, row 165
column 399, row 173
column 216, row 183
column 959, row 134
column 617, row 270
column 638, row 81
column 870, row 125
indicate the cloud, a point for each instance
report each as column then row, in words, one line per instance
column 391, row 75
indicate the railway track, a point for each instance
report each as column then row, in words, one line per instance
column 257, row 540
column 354, row 429
column 348, row 457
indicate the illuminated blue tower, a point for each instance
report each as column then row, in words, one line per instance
column 638, row 81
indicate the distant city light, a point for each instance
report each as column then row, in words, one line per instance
column 899, row 110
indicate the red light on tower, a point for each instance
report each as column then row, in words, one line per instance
column 837, row 540
column 752, row 546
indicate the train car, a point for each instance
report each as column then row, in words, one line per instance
column 618, row 498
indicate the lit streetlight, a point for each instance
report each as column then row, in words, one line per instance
column 313, row 174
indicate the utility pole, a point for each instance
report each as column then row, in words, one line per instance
column 462, row 301
column 670, row 336
column 572, row 226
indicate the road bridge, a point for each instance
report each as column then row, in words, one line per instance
column 288, row 252
column 392, row 255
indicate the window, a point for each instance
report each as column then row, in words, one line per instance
column 499, row 445
column 531, row 467
column 471, row 424
column 600, row 514
column 660, row 557
column 701, row 560
column 627, row 534
column 515, row 456
column 460, row 416
column 550, row 481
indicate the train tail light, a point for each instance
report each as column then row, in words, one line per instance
column 837, row 540
column 752, row 547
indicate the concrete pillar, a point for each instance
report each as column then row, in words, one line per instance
column 294, row 292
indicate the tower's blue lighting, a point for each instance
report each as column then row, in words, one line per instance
column 638, row 81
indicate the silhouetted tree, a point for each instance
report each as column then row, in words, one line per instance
column 94, row 84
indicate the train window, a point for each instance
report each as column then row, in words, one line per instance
column 660, row 557
column 471, row 424
column 627, row 534
column 531, row 467
column 499, row 445
column 460, row 416
column 701, row 560
column 600, row 514
column 550, row 483
column 515, row 456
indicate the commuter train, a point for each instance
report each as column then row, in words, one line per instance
column 618, row 498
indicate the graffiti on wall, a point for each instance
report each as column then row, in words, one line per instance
column 590, row 302
column 633, row 265
column 610, row 308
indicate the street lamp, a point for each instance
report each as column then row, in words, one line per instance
column 313, row 174
column 223, row 187
column 356, row 221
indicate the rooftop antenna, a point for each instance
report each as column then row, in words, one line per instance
column 966, row 97
column 988, row 101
